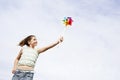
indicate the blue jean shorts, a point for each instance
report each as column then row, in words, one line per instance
column 23, row 75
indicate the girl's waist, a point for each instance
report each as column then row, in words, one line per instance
column 30, row 71
column 25, row 68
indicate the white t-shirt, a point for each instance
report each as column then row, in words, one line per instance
column 28, row 57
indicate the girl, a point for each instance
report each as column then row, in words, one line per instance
column 24, row 63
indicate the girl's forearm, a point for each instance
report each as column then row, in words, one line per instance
column 15, row 64
column 53, row 44
column 48, row 47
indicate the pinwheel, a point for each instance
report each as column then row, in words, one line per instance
column 67, row 21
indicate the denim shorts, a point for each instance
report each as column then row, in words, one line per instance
column 23, row 75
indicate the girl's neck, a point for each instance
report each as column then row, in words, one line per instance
column 31, row 46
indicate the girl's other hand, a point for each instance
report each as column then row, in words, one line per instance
column 13, row 71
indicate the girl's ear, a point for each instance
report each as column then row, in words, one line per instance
column 29, row 42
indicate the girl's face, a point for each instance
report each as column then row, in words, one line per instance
column 33, row 42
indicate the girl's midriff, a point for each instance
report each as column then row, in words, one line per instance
column 22, row 67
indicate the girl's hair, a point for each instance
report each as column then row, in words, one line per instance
column 25, row 40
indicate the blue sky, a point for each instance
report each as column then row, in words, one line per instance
column 90, row 50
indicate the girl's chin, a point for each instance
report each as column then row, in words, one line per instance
column 35, row 44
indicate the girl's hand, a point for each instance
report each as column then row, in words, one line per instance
column 60, row 39
column 13, row 71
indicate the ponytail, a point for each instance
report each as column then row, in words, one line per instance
column 22, row 43
column 25, row 41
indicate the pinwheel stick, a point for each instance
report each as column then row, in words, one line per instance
column 67, row 22
column 63, row 32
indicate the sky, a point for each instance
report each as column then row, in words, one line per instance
column 90, row 50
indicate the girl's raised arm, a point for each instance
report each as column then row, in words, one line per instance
column 51, row 45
